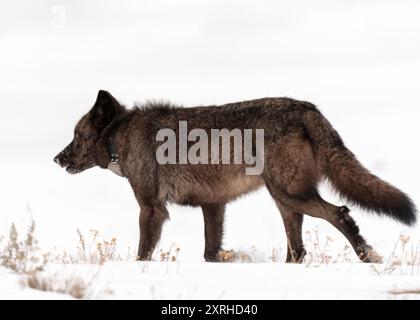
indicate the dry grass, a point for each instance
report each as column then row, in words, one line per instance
column 276, row 255
column 403, row 260
column 170, row 255
column 319, row 251
column 404, row 291
column 79, row 287
column 91, row 249
column 22, row 254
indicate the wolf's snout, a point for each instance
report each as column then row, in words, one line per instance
column 62, row 158
column 57, row 159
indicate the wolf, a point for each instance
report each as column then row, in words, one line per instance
column 301, row 148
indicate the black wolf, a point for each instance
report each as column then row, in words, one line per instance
column 301, row 148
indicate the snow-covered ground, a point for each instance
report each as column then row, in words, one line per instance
column 359, row 62
column 196, row 280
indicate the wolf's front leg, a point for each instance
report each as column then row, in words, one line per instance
column 151, row 221
column 214, row 215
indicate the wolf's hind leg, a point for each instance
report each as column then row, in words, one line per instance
column 213, row 230
column 293, row 226
column 340, row 218
column 312, row 204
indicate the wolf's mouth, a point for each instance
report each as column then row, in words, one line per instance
column 72, row 170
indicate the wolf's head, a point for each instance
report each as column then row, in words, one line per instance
column 83, row 152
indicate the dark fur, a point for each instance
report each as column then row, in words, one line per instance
column 301, row 148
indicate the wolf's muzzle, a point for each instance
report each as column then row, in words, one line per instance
column 62, row 158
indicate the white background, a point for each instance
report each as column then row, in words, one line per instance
column 359, row 61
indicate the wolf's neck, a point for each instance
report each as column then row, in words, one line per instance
column 109, row 146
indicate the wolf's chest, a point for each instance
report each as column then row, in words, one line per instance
column 115, row 168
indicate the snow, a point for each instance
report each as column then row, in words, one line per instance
column 251, row 281
column 359, row 62
column 12, row 289
column 196, row 280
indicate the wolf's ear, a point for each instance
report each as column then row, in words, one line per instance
column 104, row 109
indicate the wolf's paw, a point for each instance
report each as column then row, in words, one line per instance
column 374, row 257
column 227, row 256
column 369, row 255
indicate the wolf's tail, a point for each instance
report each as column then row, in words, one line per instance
column 353, row 181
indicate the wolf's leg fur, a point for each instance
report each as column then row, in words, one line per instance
column 312, row 204
column 293, row 225
column 213, row 229
column 340, row 218
column 151, row 221
column 291, row 174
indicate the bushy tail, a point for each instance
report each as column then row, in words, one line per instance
column 353, row 181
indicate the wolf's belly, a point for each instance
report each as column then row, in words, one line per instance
column 195, row 193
